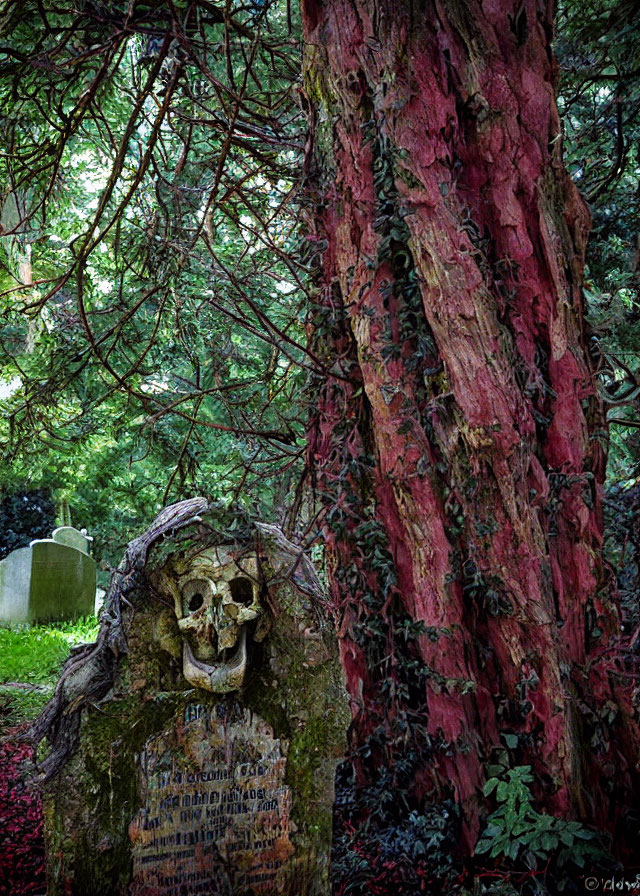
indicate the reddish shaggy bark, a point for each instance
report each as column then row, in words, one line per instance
column 464, row 427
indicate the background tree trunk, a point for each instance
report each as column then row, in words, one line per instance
column 459, row 444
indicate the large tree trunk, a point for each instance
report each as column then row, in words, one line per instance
column 458, row 441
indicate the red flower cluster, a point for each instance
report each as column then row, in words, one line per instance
column 22, row 866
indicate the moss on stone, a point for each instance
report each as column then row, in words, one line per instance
column 308, row 750
column 294, row 684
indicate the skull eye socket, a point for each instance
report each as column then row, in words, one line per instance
column 195, row 602
column 241, row 590
column 194, row 594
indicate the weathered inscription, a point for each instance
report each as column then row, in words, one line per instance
column 216, row 812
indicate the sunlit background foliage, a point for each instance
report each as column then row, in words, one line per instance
column 152, row 310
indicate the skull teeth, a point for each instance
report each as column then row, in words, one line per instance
column 221, row 678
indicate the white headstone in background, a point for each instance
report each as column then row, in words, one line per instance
column 63, row 582
column 99, row 601
column 15, row 584
column 71, row 537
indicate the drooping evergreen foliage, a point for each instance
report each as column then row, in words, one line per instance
column 151, row 297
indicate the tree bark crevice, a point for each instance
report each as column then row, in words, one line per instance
column 454, row 243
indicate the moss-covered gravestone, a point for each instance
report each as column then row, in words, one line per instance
column 194, row 745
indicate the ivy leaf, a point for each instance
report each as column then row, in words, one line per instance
column 490, row 786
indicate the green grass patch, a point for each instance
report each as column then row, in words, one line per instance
column 17, row 707
column 33, row 655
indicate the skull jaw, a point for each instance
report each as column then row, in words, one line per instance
column 221, row 678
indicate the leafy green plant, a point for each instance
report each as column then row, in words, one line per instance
column 155, row 349
column 516, row 831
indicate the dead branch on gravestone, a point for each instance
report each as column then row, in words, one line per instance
column 88, row 675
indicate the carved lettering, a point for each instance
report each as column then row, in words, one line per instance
column 216, row 812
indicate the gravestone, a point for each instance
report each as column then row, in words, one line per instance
column 229, row 806
column 15, row 586
column 208, row 766
column 71, row 537
column 98, row 602
column 50, row 580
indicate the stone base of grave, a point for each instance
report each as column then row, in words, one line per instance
column 175, row 791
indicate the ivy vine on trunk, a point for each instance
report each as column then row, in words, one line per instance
column 460, row 447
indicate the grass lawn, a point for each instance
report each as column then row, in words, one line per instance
column 32, row 656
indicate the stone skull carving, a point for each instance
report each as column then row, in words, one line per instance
column 216, row 600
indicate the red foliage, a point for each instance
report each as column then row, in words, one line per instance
column 22, row 866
